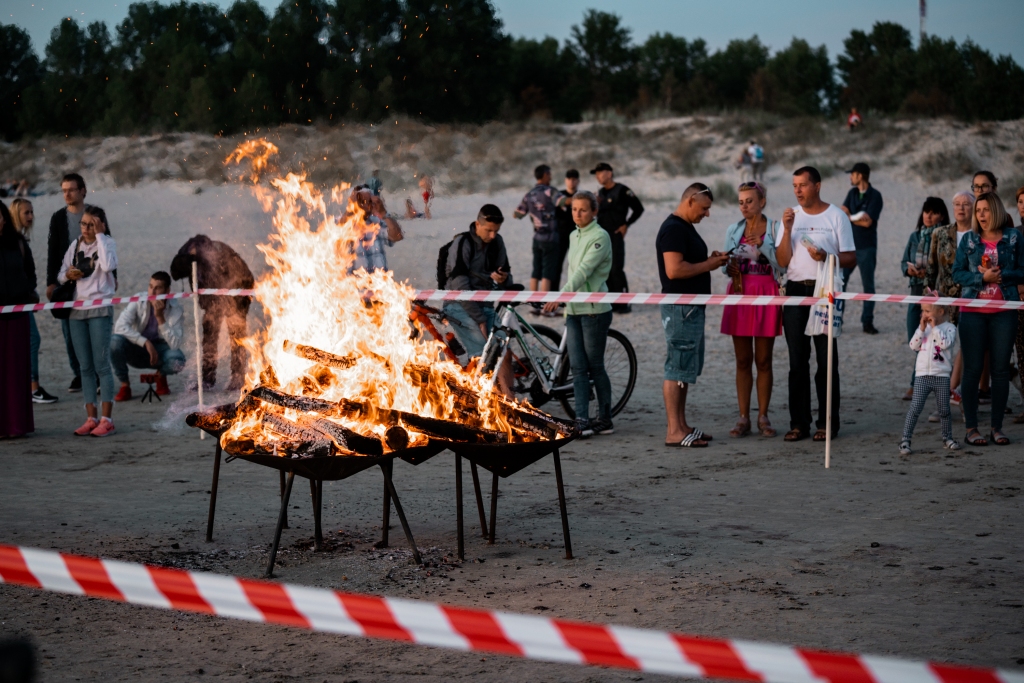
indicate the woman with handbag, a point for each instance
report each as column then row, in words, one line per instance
column 89, row 264
column 17, row 286
column 754, row 271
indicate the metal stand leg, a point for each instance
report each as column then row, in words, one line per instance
column 285, row 513
column 285, row 495
column 401, row 516
column 561, row 505
column 479, row 500
column 458, row 507
column 386, row 515
column 494, row 508
column 213, row 494
column 316, row 493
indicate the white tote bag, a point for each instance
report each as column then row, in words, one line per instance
column 818, row 322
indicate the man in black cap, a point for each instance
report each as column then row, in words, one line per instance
column 563, row 215
column 864, row 205
column 615, row 203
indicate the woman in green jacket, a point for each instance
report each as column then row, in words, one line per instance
column 590, row 261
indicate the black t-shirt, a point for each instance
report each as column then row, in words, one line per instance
column 563, row 215
column 680, row 236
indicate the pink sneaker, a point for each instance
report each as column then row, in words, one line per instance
column 105, row 428
column 86, row 429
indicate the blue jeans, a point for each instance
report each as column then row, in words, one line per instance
column 994, row 333
column 587, row 338
column 34, row 340
column 91, row 338
column 124, row 353
column 866, row 260
column 466, row 328
column 65, row 328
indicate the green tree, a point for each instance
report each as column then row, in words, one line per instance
column 21, row 71
column 727, row 72
column 545, row 79
column 796, row 81
column 877, row 68
column 604, row 47
column 667, row 64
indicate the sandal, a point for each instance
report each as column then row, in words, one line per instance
column 974, row 438
column 742, row 428
column 764, row 426
column 795, row 435
column 819, row 435
column 701, row 436
column 691, row 440
column 1019, row 419
column 997, row 437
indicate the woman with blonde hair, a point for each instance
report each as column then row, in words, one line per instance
column 989, row 265
column 23, row 217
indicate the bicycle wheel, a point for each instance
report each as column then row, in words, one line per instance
column 527, row 385
column 619, row 363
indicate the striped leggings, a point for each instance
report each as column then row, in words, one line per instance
column 923, row 385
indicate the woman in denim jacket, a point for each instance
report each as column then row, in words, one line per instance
column 915, row 263
column 751, row 243
column 989, row 265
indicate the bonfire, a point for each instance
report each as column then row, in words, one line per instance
column 340, row 368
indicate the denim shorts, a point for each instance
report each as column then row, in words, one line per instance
column 684, row 335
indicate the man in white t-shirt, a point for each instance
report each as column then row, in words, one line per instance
column 811, row 232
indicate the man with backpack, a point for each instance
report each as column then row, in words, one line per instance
column 756, row 154
column 477, row 260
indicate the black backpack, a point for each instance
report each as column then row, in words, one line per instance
column 460, row 267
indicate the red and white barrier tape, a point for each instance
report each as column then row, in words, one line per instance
column 460, row 628
column 574, row 297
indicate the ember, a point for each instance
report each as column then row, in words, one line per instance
column 337, row 371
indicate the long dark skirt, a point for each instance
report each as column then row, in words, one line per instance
column 15, row 376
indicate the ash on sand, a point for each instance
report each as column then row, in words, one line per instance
column 749, row 538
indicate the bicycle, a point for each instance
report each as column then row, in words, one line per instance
column 539, row 358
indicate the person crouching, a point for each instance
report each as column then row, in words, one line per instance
column 148, row 335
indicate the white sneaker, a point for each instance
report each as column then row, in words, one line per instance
column 905, row 447
column 952, row 444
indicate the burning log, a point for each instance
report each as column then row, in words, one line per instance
column 312, row 443
column 344, row 437
column 397, row 438
column 304, row 404
column 213, row 420
column 320, row 357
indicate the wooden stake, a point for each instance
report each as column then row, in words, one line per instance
column 199, row 339
column 828, row 382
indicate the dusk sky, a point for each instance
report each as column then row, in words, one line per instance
column 993, row 24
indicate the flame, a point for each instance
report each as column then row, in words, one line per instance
column 313, row 295
column 259, row 151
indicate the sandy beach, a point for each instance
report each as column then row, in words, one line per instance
column 750, row 538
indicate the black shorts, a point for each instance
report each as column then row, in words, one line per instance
column 545, row 260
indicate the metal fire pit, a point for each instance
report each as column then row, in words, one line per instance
column 504, row 460
column 318, row 470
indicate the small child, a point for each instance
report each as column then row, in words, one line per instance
column 933, row 342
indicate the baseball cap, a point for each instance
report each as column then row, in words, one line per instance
column 860, row 167
column 600, row 167
column 491, row 214
column 572, row 173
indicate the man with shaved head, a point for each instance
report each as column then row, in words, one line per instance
column 685, row 268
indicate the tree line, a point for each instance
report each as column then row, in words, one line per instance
column 192, row 66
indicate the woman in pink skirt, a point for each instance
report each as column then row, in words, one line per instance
column 754, row 272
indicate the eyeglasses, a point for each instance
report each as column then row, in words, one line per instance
column 982, row 188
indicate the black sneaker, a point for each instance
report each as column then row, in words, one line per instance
column 604, row 427
column 76, row 385
column 622, row 308
column 584, row 427
column 870, row 329
column 40, row 395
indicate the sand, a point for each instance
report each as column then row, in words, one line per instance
column 750, row 538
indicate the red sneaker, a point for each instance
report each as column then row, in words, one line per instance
column 161, row 386
column 86, row 429
column 105, row 428
column 124, row 393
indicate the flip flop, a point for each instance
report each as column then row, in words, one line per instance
column 701, row 436
column 691, row 440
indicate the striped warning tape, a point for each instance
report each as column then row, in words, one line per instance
column 460, row 628
column 573, row 297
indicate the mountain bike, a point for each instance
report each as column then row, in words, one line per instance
column 538, row 358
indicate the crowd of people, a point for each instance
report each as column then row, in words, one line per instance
column 976, row 253
column 82, row 265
